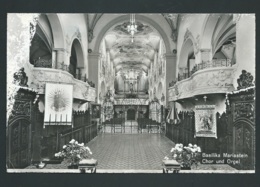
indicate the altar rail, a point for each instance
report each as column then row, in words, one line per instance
column 142, row 125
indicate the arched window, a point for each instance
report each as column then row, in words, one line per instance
column 76, row 60
column 187, row 60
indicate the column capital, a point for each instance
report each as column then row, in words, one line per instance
column 58, row 49
column 94, row 55
column 169, row 55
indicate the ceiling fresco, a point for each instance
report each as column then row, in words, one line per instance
column 126, row 54
column 141, row 29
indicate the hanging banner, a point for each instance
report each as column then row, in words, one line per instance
column 58, row 104
column 205, row 121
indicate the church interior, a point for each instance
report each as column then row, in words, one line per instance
column 131, row 87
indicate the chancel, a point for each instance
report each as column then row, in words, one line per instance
column 140, row 91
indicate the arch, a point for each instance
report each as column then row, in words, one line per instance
column 216, row 30
column 138, row 18
column 131, row 113
column 229, row 33
column 207, row 31
column 17, row 118
column 79, row 52
column 44, row 30
column 57, row 31
column 42, row 44
column 186, row 51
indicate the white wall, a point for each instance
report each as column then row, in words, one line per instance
column 245, row 45
column 193, row 22
column 70, row 23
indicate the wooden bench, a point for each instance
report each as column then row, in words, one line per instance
column 88, row 164
column 171, row 165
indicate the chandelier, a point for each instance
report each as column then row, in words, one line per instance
column 132, row 28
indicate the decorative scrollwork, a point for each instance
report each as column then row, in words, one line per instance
column 90, row 35
column 45, row 63
column 245, row 110
column 245, row 80
column 171, row 84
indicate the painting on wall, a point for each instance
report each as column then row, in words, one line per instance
column 205, row 121
column 58, row 104
column 96, row 109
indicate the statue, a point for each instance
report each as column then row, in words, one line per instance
column 245, row 80
column 131, row 88
column 162, row 98
column 20, row 78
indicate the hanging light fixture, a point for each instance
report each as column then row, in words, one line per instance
column 132, row 28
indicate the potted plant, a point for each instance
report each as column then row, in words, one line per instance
column 187, row 156
column 73, row 153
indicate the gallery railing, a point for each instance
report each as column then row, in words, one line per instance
column 44, row 63
column 204, row 65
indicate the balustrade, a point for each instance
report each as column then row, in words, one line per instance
column 43, row 63
column 204, row 65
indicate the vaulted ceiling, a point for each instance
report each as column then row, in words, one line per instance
column 126, row 54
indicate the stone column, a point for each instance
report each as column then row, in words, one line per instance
column 170, row 71
column 60, row 58
column 93, row 64
column 204, row 55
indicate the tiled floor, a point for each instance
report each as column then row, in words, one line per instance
column 130, row 151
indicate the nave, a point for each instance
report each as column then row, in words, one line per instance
column 130, row 91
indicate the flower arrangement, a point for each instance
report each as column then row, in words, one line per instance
column 186, row 156
column 74, row 152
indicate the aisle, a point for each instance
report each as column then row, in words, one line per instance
column 130, row 151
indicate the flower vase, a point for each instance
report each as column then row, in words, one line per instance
column 73, row 166
column 185, row 168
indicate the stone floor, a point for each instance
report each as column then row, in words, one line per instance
column 130, row 151
column 141, row 153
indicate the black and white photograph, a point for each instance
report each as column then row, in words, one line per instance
column 158, row 93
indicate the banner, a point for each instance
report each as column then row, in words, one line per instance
column 173, row 115
column 205, row 121
column 58, row 104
